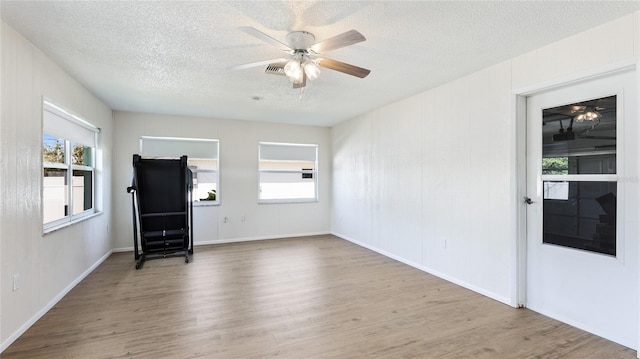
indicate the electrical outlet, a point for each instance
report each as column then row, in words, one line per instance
column 16, row 282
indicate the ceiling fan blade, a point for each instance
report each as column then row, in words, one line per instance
column 266, row 38
column 344, row 67
column 303, row 83
column 338, row 41
column 258, row 63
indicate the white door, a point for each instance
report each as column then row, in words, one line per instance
column 582, row 220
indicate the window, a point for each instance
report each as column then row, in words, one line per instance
column 287, row 172
column 202, row 159
column 68, row 160
column 579, row 176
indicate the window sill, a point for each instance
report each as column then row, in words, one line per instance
column 206, row 203
column 68, row 224
column 288, row 201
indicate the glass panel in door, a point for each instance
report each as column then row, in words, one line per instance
column 579, row 209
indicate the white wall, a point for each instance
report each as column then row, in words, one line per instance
column 433, row 181
column 426, row 180
column 238, row 188
column 48, row 265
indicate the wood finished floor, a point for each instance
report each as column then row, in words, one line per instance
column 313, row 297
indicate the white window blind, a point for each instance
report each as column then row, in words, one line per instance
column 174, row 147
column 287, row 152
column 57, row 121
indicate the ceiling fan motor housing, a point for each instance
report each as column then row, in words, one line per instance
column 300, row 40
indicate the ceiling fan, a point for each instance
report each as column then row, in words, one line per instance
column 304, row 59
column 587, row 115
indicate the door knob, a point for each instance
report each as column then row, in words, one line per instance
column 528, row 200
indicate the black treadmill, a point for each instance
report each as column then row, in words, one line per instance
column 162, row 204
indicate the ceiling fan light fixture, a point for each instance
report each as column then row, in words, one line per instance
column 578, row 109
column 297, row 77
column 311, row 69
column 589, row 115
column 292, row 68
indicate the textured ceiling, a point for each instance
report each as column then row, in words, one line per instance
column 174, row 57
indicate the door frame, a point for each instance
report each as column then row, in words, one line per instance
column 519, row 160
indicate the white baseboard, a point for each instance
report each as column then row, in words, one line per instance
column 123, row 249
column 24, row 327
column 260, row 238
column 237, row 240
column 494, row 296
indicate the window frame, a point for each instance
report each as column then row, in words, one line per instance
column 73, row 121
column 196, row 201
column 303, row 174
